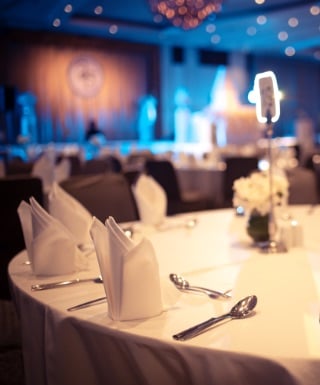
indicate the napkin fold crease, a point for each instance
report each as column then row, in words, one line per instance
column 151, row 200
column 51, row 248
column 130, row 272
column 70, row 212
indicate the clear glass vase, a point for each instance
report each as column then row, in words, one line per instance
column 258, row 227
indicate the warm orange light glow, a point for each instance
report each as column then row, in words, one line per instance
column 187, row 14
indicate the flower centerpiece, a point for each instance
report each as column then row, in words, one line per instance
column 252, row 193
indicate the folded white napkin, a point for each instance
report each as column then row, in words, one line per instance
column 130, row 272
column 44, row 169
column 62, row 170
column 52, row 249
column 70, row 212
column 24, row 212
column 151, row 200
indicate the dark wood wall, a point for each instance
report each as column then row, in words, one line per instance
column 106, row 83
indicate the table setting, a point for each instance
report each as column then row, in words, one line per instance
column 49, row 235
column 278, row 335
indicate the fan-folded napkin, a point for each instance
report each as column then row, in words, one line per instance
column 51, row 248
column 130, row 272
column 46, row 169
column 70, row 212
column 151, row 200
column 62, row 170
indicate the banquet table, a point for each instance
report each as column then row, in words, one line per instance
column 278, row 343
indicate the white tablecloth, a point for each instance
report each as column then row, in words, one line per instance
column 278, row 344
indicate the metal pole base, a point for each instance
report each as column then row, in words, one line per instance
column 273, row 247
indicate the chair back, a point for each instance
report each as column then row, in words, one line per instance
column 316, row 170
column 136, row 159
column 75, row 163
column 13, row 189
column 18, row 167
column 131, row 176
column 164, row 173
column 115, row 163
column 106, row 194
column 303, row 187
column 96, row 166
column 237, row 167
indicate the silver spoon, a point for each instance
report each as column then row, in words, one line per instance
column 191, row 223
column 182, row 284
column 129, row 231
column 239, row 310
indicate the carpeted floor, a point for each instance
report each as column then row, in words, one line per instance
column 11, row 363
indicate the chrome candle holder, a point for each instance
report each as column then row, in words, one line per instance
column 271, row 246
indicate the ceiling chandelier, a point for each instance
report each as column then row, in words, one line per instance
column 186, row 14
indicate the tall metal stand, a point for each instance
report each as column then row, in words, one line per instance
column 271, row 246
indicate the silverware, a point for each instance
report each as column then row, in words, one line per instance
column 86, row 248
column 129, row 231
column 239, row 310
column 88, row 303
column 57, row 284
column 188, row 223
column 183, row 285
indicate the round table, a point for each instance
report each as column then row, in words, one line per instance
column 279, row 343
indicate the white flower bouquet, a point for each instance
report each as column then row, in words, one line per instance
column 253, row 192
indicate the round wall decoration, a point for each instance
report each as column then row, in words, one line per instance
column 85, row 76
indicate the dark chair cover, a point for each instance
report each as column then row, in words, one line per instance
column 131, row 176
column 237, row 167
column 96, row 166
column 164, row 173
column 13, row 189
column 18, row 167
column 106, row 194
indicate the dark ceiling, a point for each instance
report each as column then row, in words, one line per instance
column 242, row 25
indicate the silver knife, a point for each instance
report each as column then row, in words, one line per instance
column 53, row 285
column 88, row 303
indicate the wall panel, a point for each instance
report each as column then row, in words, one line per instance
column 122, row 74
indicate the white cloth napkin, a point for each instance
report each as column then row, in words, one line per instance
column 24, row 212
column 130, row 272
column 151, row 200
column 62, row 170
column 70, row 212
column 44, row 169
column 52, row 249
